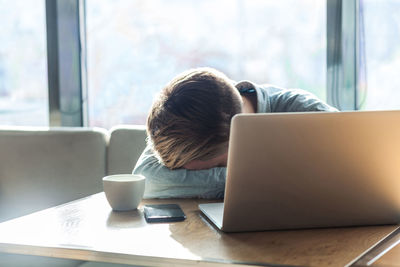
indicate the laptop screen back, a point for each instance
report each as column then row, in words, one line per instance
column 304, row 170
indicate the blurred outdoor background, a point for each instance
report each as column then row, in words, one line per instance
column 134, row 47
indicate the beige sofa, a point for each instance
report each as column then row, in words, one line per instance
column 44, row 167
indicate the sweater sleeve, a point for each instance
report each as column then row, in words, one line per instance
column 295, row 100
column 162, row 182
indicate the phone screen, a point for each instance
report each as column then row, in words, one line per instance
column 163, row 213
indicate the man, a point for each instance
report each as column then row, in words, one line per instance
column 188, row 130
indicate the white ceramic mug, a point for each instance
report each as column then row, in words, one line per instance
column 124, row 191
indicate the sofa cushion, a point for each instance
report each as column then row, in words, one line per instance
column 43, row 167
column 15, row 260
column 124, row 149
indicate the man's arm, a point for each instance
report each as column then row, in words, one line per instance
column 162, row 182
column 295, row 100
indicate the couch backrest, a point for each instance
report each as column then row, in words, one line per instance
column 125, row 146
column 41, row 168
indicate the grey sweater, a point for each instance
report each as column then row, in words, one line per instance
column 162, row 182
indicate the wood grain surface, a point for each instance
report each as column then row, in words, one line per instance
column 88, row 229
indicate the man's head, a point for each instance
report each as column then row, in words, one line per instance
column 190, row 119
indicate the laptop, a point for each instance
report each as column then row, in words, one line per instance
column 310, row 170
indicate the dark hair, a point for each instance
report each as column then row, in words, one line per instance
column 191, row 117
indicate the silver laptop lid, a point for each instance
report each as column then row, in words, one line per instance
column 303, row 170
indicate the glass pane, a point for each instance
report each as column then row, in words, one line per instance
column 23, row 66
column 382, row 48
column 137, row 46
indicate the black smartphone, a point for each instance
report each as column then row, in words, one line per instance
column 163, row 213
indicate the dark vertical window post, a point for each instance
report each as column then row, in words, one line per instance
column 344, row 53
column 66, row 73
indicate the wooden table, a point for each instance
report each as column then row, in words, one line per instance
column 88, row 229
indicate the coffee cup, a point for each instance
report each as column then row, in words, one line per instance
column 124, row 191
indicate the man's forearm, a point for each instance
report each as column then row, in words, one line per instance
column 162, row 182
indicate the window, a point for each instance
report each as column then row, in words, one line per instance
column 23, row 69
column 382, row 49
column 134, row 47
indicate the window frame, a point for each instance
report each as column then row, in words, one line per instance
column 66, row 52
column 68, row 101
column 344, row 53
